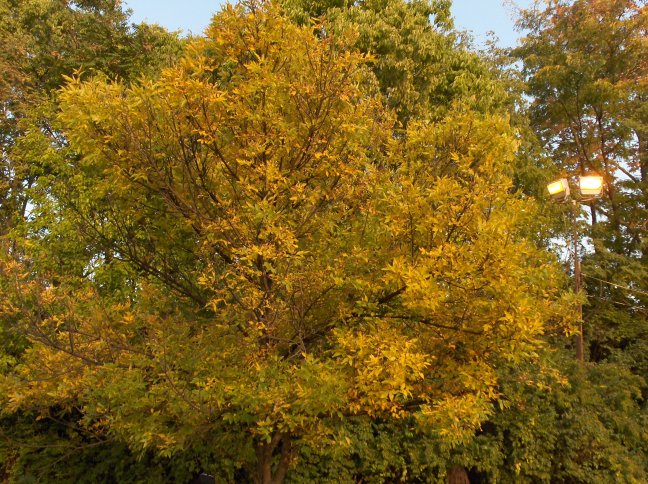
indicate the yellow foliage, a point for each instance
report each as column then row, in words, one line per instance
column 291, row 256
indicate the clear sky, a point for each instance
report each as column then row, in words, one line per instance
column 483, row 16
column 477, row 16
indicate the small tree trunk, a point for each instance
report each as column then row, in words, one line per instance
column 458, row 475
column 265, row 452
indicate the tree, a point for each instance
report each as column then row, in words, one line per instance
column 246, row 251
column 422, row 64
column 585, row 62
column 564, row 423
column 44, row 41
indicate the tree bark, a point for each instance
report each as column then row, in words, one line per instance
column 458, row 475
column 280, row 447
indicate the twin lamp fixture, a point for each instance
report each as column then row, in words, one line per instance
column 590, row 187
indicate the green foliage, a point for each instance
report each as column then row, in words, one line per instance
column 556, row 422
column 585, row 427
column 54, row 38
column 56, row 450
column 422, row 65
column 44, row 41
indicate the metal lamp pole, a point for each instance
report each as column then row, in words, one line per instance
column 580, row 340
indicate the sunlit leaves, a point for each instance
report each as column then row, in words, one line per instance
column 264, row 252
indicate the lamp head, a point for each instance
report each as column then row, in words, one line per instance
column 590, row 185
column 559, row 190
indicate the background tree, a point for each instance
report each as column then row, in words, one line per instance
column 586, row 66
column 44, row 41
column 423, row 65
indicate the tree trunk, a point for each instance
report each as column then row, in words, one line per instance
column 280, row 449
column 458, row 475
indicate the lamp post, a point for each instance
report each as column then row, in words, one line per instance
column 590, row 188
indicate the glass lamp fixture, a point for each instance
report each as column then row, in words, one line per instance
column 559, row 190
column 590, row 185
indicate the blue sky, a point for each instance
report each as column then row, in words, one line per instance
column 477, row 16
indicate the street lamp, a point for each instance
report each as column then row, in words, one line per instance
column 590, row 188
